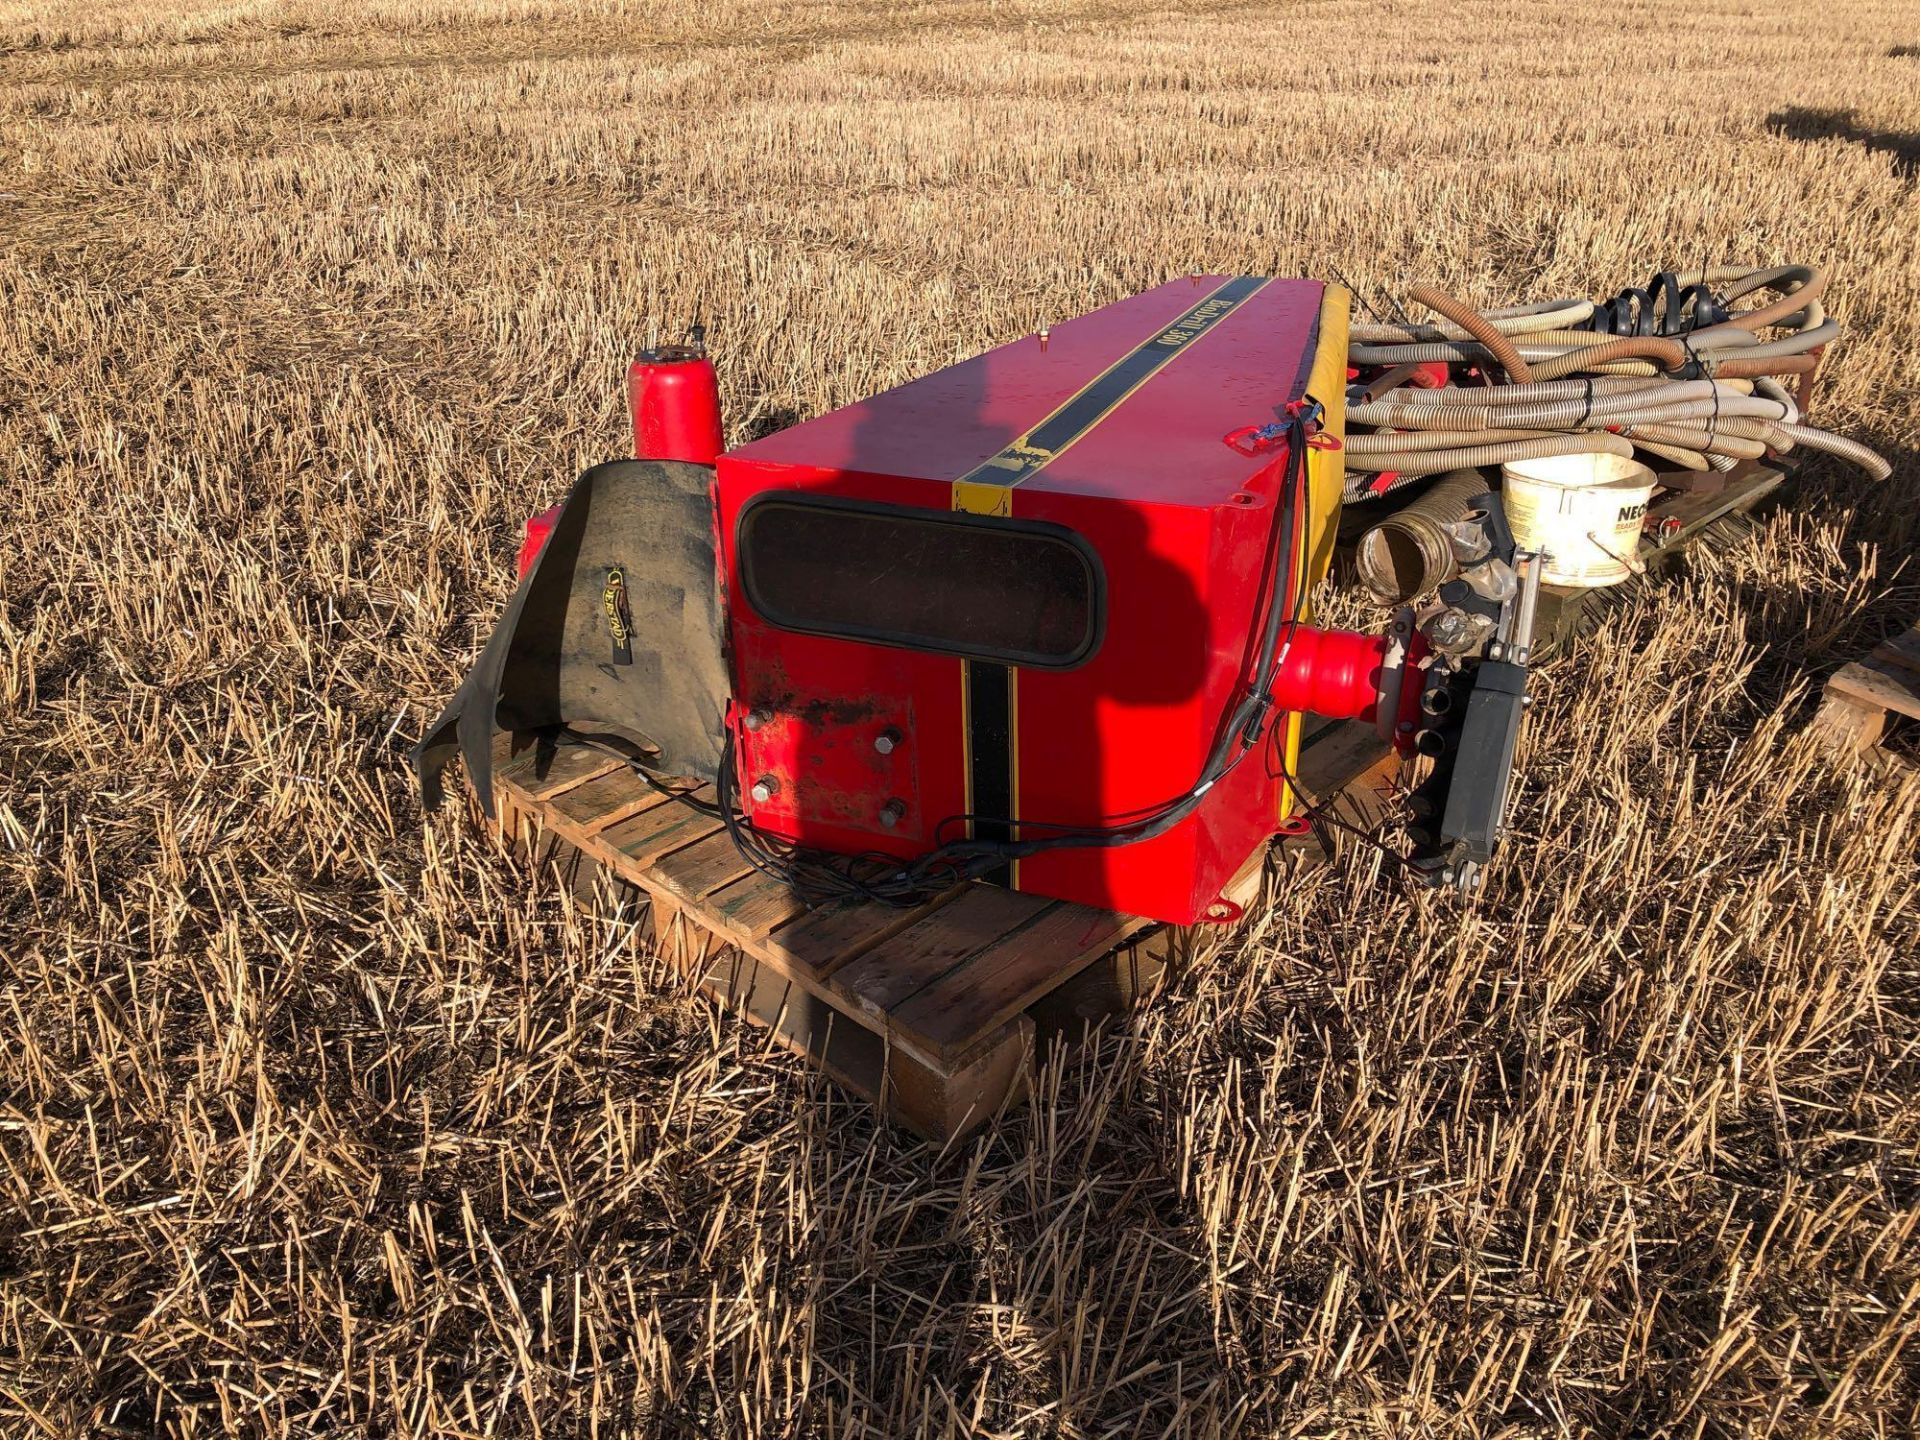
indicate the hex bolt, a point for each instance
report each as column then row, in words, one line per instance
column 892, row 812
column 758, row 717
column 764, row 789
column 886, row 740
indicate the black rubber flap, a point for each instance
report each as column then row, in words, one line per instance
column 616, row 631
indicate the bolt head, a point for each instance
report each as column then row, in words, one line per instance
column 764, row 789
column 886, row 741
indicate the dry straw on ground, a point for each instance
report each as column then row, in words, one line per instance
column 314, row 1121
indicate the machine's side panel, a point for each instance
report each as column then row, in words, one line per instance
column 1326, row 483
column 1250, row 545
column 1189, row 591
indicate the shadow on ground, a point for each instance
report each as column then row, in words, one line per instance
column 1804, row 123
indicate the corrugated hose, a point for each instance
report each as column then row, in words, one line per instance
column 1672, row 370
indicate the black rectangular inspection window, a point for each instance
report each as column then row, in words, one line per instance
column 1017, row 591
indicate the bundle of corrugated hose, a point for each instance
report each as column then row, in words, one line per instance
column 1673, row 371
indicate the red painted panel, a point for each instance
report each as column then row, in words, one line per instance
column 942, row 425
column 1182, row 526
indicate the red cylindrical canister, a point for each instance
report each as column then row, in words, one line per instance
column 539, row 527
column 676, row 406
column 1335, row 673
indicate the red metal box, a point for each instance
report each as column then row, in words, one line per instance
column 1024, row 591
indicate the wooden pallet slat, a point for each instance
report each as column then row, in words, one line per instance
column 1677, row 517
column 1873, row 685
column 695, row 871
column 755, row 904
column 899, row 968
column 645, row 837
column 540, row 774
column 819, row 943
column 951, row 1014
column 607, row 799
column 1902, row 651
column 1335, row 757
column 942, row 1103
column 849, row 1053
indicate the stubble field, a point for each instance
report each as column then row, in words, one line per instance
column 316, row 1120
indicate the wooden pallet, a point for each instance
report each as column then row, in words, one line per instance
column 934, row 1013
column 1865, row 698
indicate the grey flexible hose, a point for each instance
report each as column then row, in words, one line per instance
column 1839, row 445
column 1501, row 396
column 1453, row 353
column 1515, row 394
column 1664, row 353
column 1771, row 388
column 1422, row 417
column 1824, row 333
column 1473, row 456
column 1685, row 459
column 1398, row 441
column 1701, row 441
column 1736, row 410
column 1545, row 315
column 1739, row 427
column 1699, row 398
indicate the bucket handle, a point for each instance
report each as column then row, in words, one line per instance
column 1635, row 565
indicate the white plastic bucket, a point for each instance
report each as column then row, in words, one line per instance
column 1584, row 511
